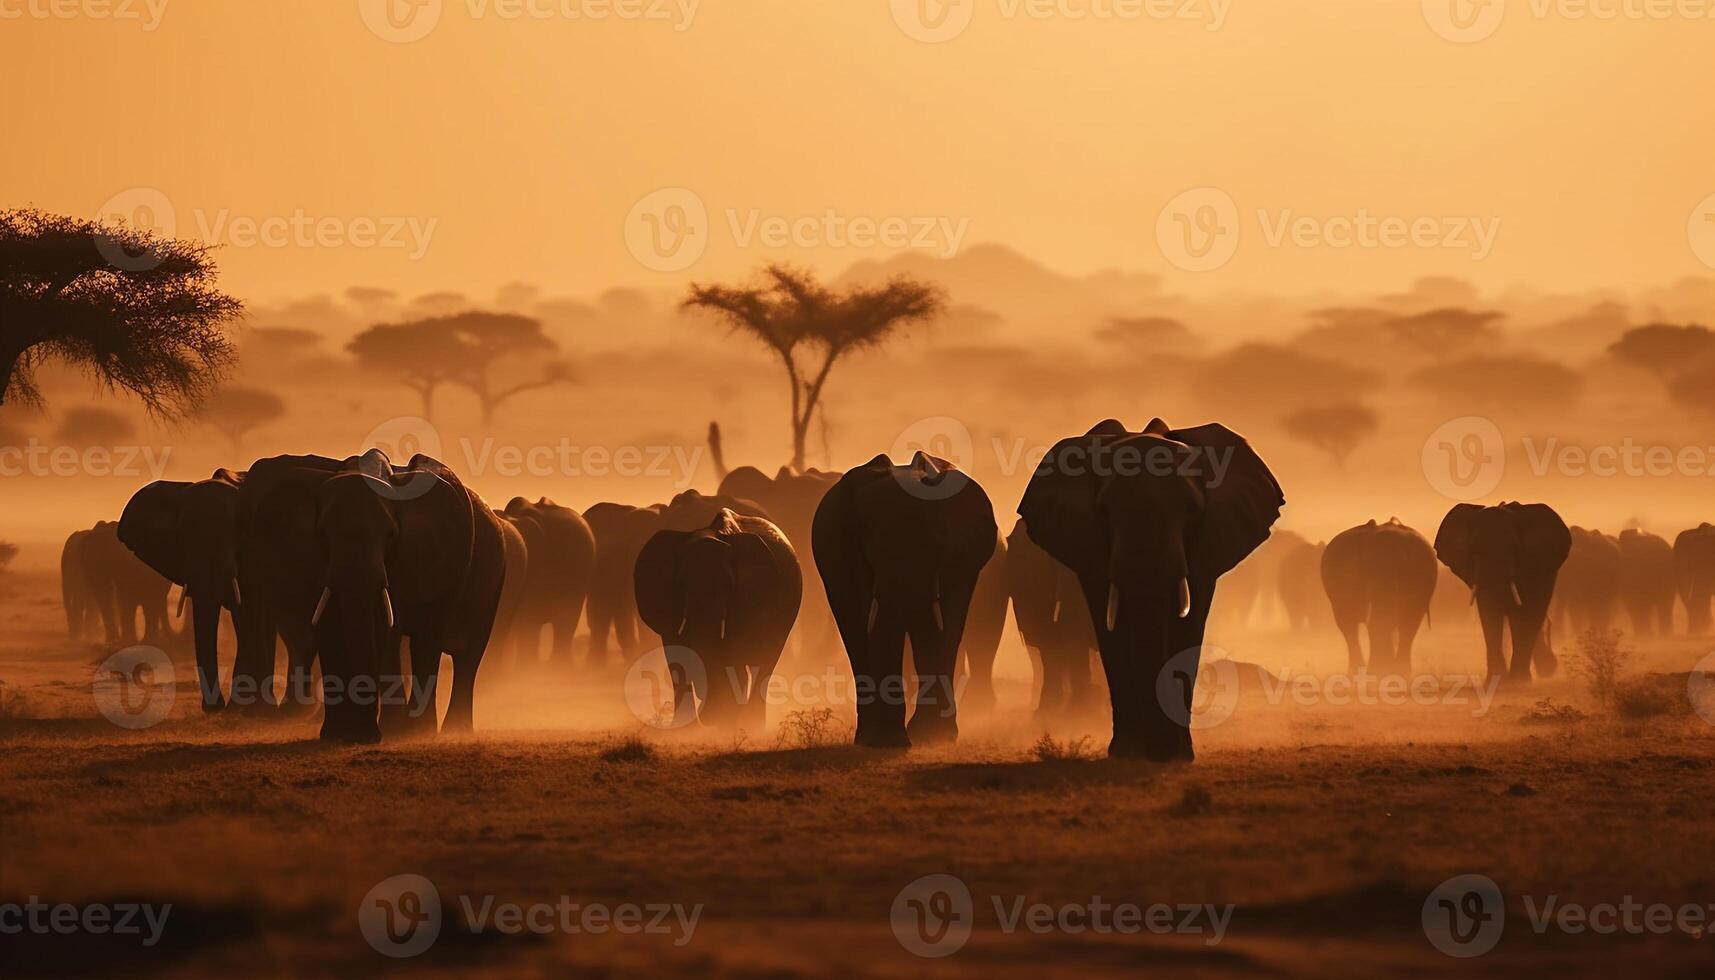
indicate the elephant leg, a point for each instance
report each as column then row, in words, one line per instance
column 406, row 683
column 205, row 619
column 299, row 696
column 881, row 686
column 1489, row 611
column 1081, row 693
column 935, row 656
column 601, row 622
column 461, row 706
column 1527, row 624
column 1354, row 647
column 725, row 692
column 1407, row 627
column 1050, row 699
column 253, row 666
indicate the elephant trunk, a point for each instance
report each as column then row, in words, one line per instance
column 205, row 618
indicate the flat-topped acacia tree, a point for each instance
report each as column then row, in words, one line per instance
column 790, row 311
column 139, row 312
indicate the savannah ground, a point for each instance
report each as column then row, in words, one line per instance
column 1326, row 825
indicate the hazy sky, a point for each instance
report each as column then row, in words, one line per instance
column 516, row 138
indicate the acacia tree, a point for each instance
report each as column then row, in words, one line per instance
column 140, row 312
column 1334, row 429
column 791, row 312
column 497, row 356
column 236, row 411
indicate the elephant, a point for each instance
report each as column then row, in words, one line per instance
column 113, row 584
column 1588, row 589
column 83, row 614
column 1149, row 521
column 562, row 551
column 728, row 595
column 984, row 626
column 1298, row 584
column 1646, row 582
column 620, row 531
column 899, row 550
column 1509, row 556
column 1381, row 577
column 409, row 552
column 1694, row 569
column 1452, row 601
column 1048, row 604
column 790, row 500
column 1250, row 594
column 501, row 647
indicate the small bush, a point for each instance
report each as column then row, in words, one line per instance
column 1650, row 697
column 809, row 728
column 632, row 751
column 1546, row 712
column 1048, row 749
column 1194, row 802
column 1600, row 661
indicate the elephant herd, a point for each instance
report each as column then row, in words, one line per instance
column 1120, row 541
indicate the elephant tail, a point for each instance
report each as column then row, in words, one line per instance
column 715, row 453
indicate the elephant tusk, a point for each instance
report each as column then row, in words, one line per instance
column 1113, row 606
column 1473, row 595
column 387, row 604
column 1516, row 600
column 940, row 623
column 1184, row 597
column 321, row 606
column 681, row 630
column 723, row 627
column 184, row 597
column 1056, row 618
column 237, row 596
column 874, row 610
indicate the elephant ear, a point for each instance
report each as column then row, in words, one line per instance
column 1242, row 499
column 1455, row 542
column 1059, row 505
column 1543, row 535
column 652, row 579
column 149, row 527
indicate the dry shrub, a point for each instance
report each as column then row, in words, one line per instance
column 1600, row 661
column 1651, row 696
column 1047, row 749
column 809, row 728
column 632, row 751
column 1547, row 711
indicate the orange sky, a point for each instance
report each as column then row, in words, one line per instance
column 518, row 145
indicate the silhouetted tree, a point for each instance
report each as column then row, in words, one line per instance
column 1664, row 348
column 138, row 311
column 87, row 425
column 791, row 311
column 1335, row 429
column 484, row 352
column 235, row 411
column 1502, row 381
column 8, row 551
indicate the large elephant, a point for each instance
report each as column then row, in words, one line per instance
column 1298, row 585
column 1509, row 556
column 77, row 596
column 1694, row 569
column 502, row 649
column 1149, row 521
column 1380, row 577
column 410, row 552
column 621, row 531
column 727, row 593
column 984, row 627
column 790, row 500
column 1048, row 604
column 1588, row 589
column 899, row 550
column 562, row 551
column 1646, row 582
column 120, row 588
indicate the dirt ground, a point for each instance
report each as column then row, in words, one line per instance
column 1325, row 821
